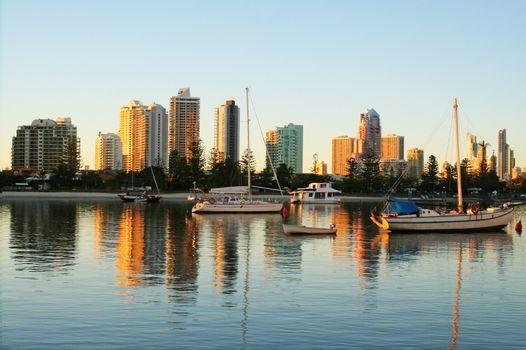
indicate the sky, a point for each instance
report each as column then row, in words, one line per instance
column 314, row 63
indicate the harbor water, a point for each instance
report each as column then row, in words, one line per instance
column 87, row 274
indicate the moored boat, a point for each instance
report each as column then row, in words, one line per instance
column 317, row 193
column 407, row 216
column 306, row 230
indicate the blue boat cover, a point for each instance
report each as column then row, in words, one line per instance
column 401, row 207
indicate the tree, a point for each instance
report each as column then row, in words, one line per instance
column 247, row 162
column 430, row 175
column 352, row 182
column 178, row 171
column 196, row 163
column 371, row 177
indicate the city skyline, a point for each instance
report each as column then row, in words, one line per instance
column 408, row 67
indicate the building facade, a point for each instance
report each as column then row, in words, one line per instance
column 183, row 122
column 108, row 152
column 44, row 145
column 226, row 131
column 285, row 146
column 502, row 155
column 157, row 136
column 342, row 151
column 369, row 135
column 415, row 163
column 392, row 147
column 133, row 135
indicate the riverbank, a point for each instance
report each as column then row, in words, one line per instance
column 165, row 196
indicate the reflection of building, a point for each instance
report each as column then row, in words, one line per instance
column 44, row 144
column 342, row 150
column 43, row 235
column 183, row 124
column 130, row 247
column 108, row 152
column 226, row 131
column 285, row 146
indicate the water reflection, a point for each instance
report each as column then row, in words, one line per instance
column 43, row 235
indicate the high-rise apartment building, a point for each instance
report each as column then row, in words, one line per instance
column 502, row 155
column 133, row 135
column 226, row 131
column 108, row 152
column 157, row 140
column 183, row 123
column 143, row 133
column 472, row 149
column 342, row 150
column 320, row 168
column 369, row 134
column 44, row 144
column 415, row 163
column 392, row 147
column 285, row 146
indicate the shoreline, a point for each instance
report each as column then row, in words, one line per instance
column 165, row 196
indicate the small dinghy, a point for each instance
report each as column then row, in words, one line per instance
column 305, row 230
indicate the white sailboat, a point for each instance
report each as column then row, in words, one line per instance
column 237, row 199
column 406, row 216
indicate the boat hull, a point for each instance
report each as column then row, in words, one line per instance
column 304, row 230
column 450, row 222
column 260, row 207
column 316, row 201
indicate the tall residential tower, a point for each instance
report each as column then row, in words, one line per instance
column 285, row 146
column 369, row 134
column 226, row 131
column 183, row 123
column 342, row 150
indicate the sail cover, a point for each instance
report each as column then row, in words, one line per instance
column 401, row 208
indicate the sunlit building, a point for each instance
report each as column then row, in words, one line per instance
column 108, row 152
column 226, row 131
column 320, row 168
column 342, row 150
column 369, row 134
column 392, row 147
column 502, row 155
column 133, row 135
column 157, row 136
column 285, row 146
column 415, row 163
column 44, row 144
column 183, row 123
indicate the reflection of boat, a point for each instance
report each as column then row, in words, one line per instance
column 406, row 216
column 302, row 229
column 317, row 192
column 237, row 199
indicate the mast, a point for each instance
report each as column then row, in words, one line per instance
column 248, row 148
column 459, row 176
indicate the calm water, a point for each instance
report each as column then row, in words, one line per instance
column 88, row 274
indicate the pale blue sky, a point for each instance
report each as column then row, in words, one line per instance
column 316, row 63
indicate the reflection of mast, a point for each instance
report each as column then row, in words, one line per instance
column 244, row 321
column 456, row 313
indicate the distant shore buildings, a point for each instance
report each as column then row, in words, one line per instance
column 285, row 146
column 44, row 145
column 226, row 131
column 183, row 124
column 342, row 151
column 108, row 152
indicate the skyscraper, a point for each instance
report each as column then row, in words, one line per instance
column 342, row 150
column 157, row 141
column 472, row 149
column 183, row 123
column 285, row 146
column 108, row 152
column 226, row 131
column 392, row 147
column 502, row 155
column 415, row 163
column 133, row 135
column 44, row 144
column 369, row 134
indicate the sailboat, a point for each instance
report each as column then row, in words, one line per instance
column 236, row 199
column 407, row 216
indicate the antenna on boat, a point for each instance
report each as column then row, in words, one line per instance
column 459, row 176
column 248, row 148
